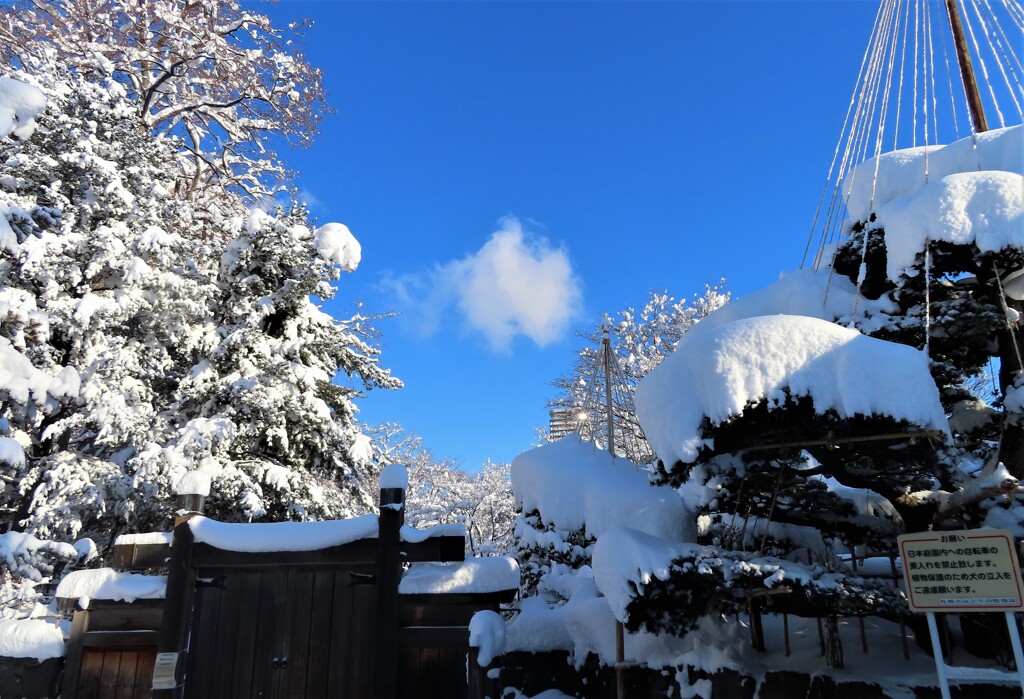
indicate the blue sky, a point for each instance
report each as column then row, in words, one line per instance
column 619, row 147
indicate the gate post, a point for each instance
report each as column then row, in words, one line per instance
column 389, row 573
column 174, row 629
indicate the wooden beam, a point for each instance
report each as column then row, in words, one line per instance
column 433, row 636
column 389, row 575
column 360, row 551
column 438, row 549
column 120, row 639
column 140, row 556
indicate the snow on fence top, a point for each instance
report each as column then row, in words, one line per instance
column 282, row 536
column 30, row 638
column 19, row 105
column 718, row 373
column 412, row 535
column 576, row 486
column 144, row 538
column 480, row 575
column 109, row 584
column 902, row 173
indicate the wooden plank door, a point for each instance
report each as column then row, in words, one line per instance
column 283, row 633
column 116, row 673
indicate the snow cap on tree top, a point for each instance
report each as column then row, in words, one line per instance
column 335, row 243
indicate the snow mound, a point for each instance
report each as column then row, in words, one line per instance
column 144, row 539
column 901, row 173
column 806, row 292
column 576, row 486
column 19, row 105
column 718, row 373
column 335, row 243
column 624, row 558
column 984, row 208
column 474, row 575
column 30, row 638
column 282, row 536
column 109, row 584
column 487, row 634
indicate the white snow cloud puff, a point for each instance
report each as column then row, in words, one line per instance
column 516, row 284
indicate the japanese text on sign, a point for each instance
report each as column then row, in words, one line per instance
column 974, row 570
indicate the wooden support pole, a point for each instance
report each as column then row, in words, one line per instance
column 620, row 661
column 963, row 57
column 389, row 573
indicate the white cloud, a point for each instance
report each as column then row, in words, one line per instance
column 516, row 284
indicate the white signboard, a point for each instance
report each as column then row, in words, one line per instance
column 964, row 571
column 163, row 671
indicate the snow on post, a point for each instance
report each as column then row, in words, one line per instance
column 394, row 476
column 192, row 489
column 19, row 105
column 718, row 373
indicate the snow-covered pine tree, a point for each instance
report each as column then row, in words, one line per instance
column 195, row 337
column 442, row 492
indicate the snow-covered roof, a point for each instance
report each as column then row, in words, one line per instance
column 574, row 485
column 718, row 373
column 30, row 638
column 479, row 575
column 109, row 584
column 282, row 536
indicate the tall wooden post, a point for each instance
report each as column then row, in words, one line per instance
column 963, row 57
column 172, row 649
column 389, row 573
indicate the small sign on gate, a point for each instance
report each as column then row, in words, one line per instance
column 164, row 671
column 964, row 571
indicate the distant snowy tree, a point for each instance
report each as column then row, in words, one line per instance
column 640, row 340
column 442, row 492
column 219, row 78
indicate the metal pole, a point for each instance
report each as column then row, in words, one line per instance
column 940, row 662
column 607, row 351
column 1018, row 656
column 963, row 57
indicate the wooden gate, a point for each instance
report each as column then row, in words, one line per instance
column 282, row 632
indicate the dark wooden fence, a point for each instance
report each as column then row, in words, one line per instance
column 327, row 623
